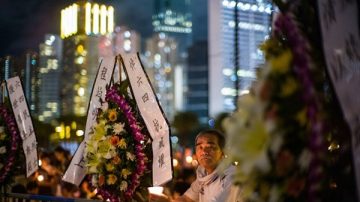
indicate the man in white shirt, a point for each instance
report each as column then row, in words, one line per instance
column 210, row 185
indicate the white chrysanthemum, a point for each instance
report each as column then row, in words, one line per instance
column 130, row 156
column 248, row 139
column 123, row 185
column 118, row 128
column 104, row 106
column 2, row 150
column 93, row 169
column 94, row 180
column 304, row 159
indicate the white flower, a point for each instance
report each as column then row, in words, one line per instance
column 104, row 106
column 123, row 185
column 93, row 169
column 274, row 194
column 94, row 180
column 276, row 143
column 1, row 129
column 304, row 159
column 130, row 156
column 118, row 128
column 2, row 150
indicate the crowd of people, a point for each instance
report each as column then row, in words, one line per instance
column 53, row 164
column 47, row 179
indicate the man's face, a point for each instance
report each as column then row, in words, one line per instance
column 208, row 152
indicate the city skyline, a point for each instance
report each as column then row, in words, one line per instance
column 25, row 23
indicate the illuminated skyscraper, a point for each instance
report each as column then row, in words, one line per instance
column 173, row 17
column 86, row 29
column 49, row 75
column 160, row 61
column 198, row 81
column 126, row 40
column 253, row 28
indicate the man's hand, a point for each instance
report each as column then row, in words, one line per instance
column 158, row 198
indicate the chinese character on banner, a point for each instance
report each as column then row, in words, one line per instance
column 15, row 104
column 81, row 163
column 139, row 81
column 26, row 114
column 157, row 125
column 161, row 160
column 99, row 92
column 161, row 143
column 103, row 73
column 132, row 64
column 145, row 97
column 11, row 89
column 21, row 98
column 29, row 166
column 17, row 84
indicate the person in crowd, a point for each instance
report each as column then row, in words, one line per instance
column 211, row 185
column 63, row 157
column 32, row 187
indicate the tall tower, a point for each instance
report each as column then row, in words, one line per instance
column 198, row 81
column 160, row 60
column 49, row 76
column 86, row 29
column 253, row 28
column 173, row 17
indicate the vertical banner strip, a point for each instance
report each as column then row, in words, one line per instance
column 341, row 43
column 76, row 170
column 24, row 123
column 153, row 116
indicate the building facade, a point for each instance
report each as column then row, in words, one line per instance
column 160, row 61
column 253, row 28
column 86, row 30
column 49, row 77
column 198, row 81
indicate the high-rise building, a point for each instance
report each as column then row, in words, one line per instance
column 7, row 68
column 25, row 67
column 173, row 17
column 161, row 65
column 253, row 28
column 197, row 81
column 86, row 30
column 126, row 40
column 48, row 79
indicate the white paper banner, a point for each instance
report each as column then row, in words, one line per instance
column 77, row 170
column 340, row 32
column 24, row 123
column 154, row 118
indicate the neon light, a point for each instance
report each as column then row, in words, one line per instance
column 110, row 14
column 103, row 15
column 96, row 13
column 88, row 18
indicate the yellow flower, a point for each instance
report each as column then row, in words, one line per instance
column 125, row 173
column 289, row 87
column 2, row 136
column 116, row 160
column 122, row 143
column 112, row 116
column 110, row 167
column 301, row 116
column 111, row 179
column 98, row 131
column 281, row 63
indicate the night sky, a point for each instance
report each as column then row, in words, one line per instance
column 23, row 23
